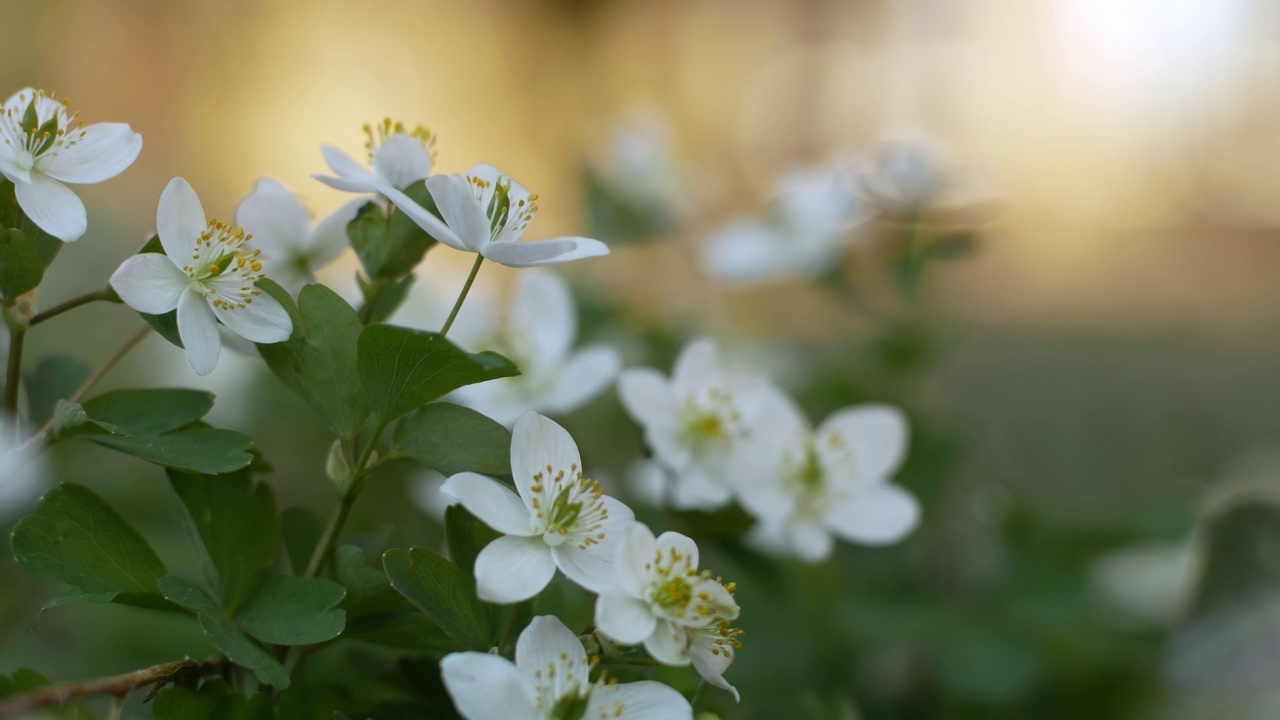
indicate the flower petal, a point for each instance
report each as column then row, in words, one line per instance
column 543, row 252
column 357, row 185
column 488, row 687
column 543, row 312
column 635, row 559
column 672, row 544
column 511, row 569
column 103, row 151
column 423, row 217
column 809, row 541
column 516, row 193
column 698, row 488
column 582, row 378
column 494, row 503
column 698, row 365
column 592, row 565
column 179, row 220
column 645, row 395
column 643, row 700
column 263, row 321
column 149, row 283
column 9, row 166
column 198, row 329
column 458, row 207
column 548, row 647
column 328, row 238
column 668, row 644
column 876, row 515
column 746, row 251
column 402, row 161
column 875, row 434
column 711, row 659
column 536, row 442
column 346, row 168
column 53, row 207
column 623, row 618
column 275, row 218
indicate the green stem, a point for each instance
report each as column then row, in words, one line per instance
column 376, row 288
column 13, row 377
column 330, row 535
column 463, row 295
column 72, row 304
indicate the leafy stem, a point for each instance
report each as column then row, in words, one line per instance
column 361, row 469
column 475, row 269
column 17, row 333
column 373, row 293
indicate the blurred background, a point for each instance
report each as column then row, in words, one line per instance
column 1083, row 386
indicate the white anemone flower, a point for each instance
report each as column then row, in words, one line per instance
column 550, row 680
column 486, row 212
column 399, row 158
column 804, row 485
column 208, row 274
column 807, row 230
column 43, row 147
column 695, row 422
column 904, row 176
column 23, row 473
column 538, row 334
column 559, row 519
column 662, row 600
column 281, row 228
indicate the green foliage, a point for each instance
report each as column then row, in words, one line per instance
column 222, row 631
column 319, row 361
column 451, row 439
column 391, row 247
column 467, row 536
column 195, row 449
column 20, row 267
column 386, row 296
column 294, row 611
column 443, row 591
column 401, row 369
column 215, row 700
column 53, row 378
column 12, row 217
column 148, row 412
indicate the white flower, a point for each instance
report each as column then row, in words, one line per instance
column 806, row 231
column 282, row 230
column 694, row 423
column 23, row 473
column 550, row 680
column 803, row 486
column 424, row 493
column 904, row 176
column 559, row 519
column 400, row 157
column 1149, row 585
column 661, row 599
column 208, row 274
column 486, row 212
column 44, row 147
column 538, row 333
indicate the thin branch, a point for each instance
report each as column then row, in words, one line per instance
column 118, row 685
column 72, row 304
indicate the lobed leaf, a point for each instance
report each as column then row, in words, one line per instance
column 443, row 591
column 294, row 611
column 451, row 439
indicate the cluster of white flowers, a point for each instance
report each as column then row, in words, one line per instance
column 650, row 589
column 718, row 435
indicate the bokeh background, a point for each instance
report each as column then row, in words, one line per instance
column 1086, row 383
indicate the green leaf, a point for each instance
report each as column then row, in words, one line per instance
column 11, row 216
column 165, row 325
column 466, row 536
column 402, row 369
column 53, row 378
column 232, row 522
column 391, row 248
column 23, row 680
column 233, row 643
column 213, row 701
column 147, row 600
column 387, row 295
column 319, row 361
column 302, row 529
column 75, row 537
column 443, row 591
column 206, row 450
column 452, row 439
column 294, row 611
column 150, row 411
column 20, row 268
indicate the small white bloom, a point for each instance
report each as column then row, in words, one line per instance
column 694, row 423
column 803, row 486
column 23, row 474
column 207, row 274
column 550, row 680
column 537, row 334
column 424, row 493
column 904, row 176
column 282, row 230
column 486, row 212
column 1149, row 585
column 43, row 147
column 808, row 228
column 559, row 519
column 662, row 600
column 399, row 157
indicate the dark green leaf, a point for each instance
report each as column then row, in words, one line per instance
column 402, row 369
column 302, row 529
column 391, row 248
column 387, row 295
column 20, row 268
column 205, row 450
column 150, row 411
column 148, row 600
column 466, row 536
column 294, row 611
column 232, row 522
column 237, row 646
column 319, row 361
column 75, row 537
column 443, row 591
column 54, row 378
column 452, row 439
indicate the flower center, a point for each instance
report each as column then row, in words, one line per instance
column 674, row 594
column 495, row 198
column 563, row 688
column 567, row 507
column 39, row 125
column 377, row 135
column 710, row 425
column 222, row 269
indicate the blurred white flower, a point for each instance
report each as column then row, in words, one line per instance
column 904, row 176
column 1151, row 584
column 537, row 334
column 694, row 422
column 207, row 274
column 400, row 157
column 486, row 212
column 23, row 474
column 647, row 481
column 803, row 486
column 560, row 518
column 550, row 680
column 44, row 147
column 662, row 600
column 807, row 230
column 282, row 230
column 424, row 493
